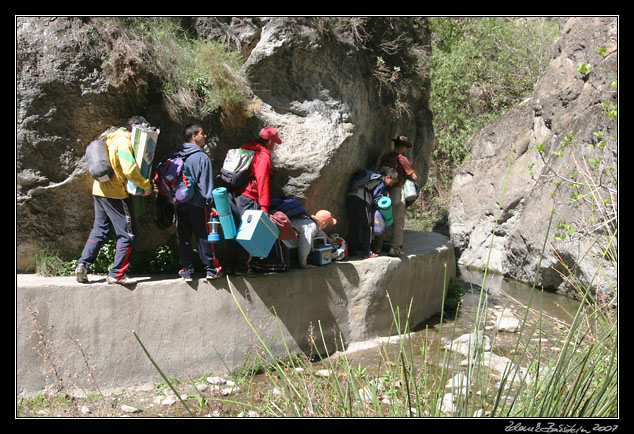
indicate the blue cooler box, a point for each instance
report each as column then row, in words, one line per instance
column 257, row 233
column 321, row 253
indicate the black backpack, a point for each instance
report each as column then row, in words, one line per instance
column 98, row 162
column 164, row 217
column 278, row 260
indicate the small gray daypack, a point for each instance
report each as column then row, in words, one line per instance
column 98, row 162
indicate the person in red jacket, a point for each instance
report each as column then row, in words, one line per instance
column 255, row 193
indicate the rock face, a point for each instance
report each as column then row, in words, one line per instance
column 317, row 89
column 566, row 99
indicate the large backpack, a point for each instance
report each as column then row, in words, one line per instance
column 98, row 161
column 278, row 260
column 236, row 167
column 174, row 180
column 364, row 176
column 291, row 207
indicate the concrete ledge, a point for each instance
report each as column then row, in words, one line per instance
column 198, row 328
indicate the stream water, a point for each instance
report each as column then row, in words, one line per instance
column 547, row 317
column 544, row 319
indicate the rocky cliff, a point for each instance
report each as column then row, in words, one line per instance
column 316, row 85
column 554, row 153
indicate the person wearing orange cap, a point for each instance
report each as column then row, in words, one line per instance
column 308, row 228
column 255, row 193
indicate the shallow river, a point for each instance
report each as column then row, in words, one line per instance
column 545, row 324
column 548, row 310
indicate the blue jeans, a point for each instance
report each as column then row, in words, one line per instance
column 117, row 212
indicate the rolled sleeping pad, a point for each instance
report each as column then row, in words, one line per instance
column 385, row 207
column 223, row 207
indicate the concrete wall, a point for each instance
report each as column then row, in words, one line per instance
column 199, row 328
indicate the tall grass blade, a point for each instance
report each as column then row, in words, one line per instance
column 169, row 383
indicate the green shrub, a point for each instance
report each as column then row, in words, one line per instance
column 196, row 77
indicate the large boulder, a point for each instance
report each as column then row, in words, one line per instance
column 320, row 94
column 317, row 88
column 526, row 165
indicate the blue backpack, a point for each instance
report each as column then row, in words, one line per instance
column 174, row 180
column 290, row 207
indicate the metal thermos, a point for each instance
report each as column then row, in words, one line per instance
column 214, row 230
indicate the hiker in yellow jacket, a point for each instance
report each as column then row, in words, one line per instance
column 112, row 206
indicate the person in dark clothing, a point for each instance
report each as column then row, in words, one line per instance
column 192, row 216
column 361, row 203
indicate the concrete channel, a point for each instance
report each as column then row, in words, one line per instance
column 201, row 327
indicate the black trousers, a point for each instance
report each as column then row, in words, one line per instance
column 359, row 226
column 191, row 221
column 239, row 204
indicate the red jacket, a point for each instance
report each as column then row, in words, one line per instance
column 258, row 189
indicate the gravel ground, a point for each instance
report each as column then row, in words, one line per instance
column 210, row 397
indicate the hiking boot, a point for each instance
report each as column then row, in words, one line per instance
column 123, row 280
column 81, row 273
column 186, row 275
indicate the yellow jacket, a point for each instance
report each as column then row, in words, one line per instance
column 124, row 166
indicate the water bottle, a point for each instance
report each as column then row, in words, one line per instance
column 214, row 226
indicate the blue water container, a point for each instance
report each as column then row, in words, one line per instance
column 214, row 230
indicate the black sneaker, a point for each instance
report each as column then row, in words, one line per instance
column 186, row 275
column 214, row 274
column 396, row 251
